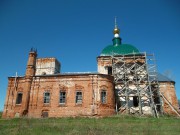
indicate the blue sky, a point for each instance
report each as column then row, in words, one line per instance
column 76, row 31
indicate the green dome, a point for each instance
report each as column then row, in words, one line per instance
column 119, row 49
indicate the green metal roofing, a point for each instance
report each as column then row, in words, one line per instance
column 119, row 49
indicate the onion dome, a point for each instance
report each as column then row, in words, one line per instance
column 118, row 48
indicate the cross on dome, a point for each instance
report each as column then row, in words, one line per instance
column 116, row 31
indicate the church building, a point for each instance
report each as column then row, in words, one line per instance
column 126, row 82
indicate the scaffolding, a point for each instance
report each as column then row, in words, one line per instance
column 136, row 84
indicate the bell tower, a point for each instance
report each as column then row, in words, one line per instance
column 30, row 72
column 31, row 64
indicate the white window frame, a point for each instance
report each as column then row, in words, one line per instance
column 79, row 97
column 46, row 98
column 103, row 96
column 62, row 98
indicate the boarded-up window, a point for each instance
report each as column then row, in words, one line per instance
column 19, row 98
column 45, row 114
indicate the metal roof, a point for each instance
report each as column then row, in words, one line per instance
column 121, row 49
column 163, row 78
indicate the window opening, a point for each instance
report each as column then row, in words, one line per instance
column 135, row 101
column 109, row 70
column 103, row 96
column 19, row 98
column 78, row 97
column 46, row 97
column 62, row 99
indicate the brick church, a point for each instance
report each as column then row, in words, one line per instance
column 124, row 83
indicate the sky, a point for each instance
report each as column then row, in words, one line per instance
column 76, row 31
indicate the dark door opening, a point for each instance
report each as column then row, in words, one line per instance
column 135, row 101
column 109, row 70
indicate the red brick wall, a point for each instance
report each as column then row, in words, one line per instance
column 168, row 90
column 11, row 108
column 89, row 85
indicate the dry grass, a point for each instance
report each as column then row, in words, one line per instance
column 115, row 125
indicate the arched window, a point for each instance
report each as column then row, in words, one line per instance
column 46, row 97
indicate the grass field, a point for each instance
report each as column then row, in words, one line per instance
column 115, row 125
